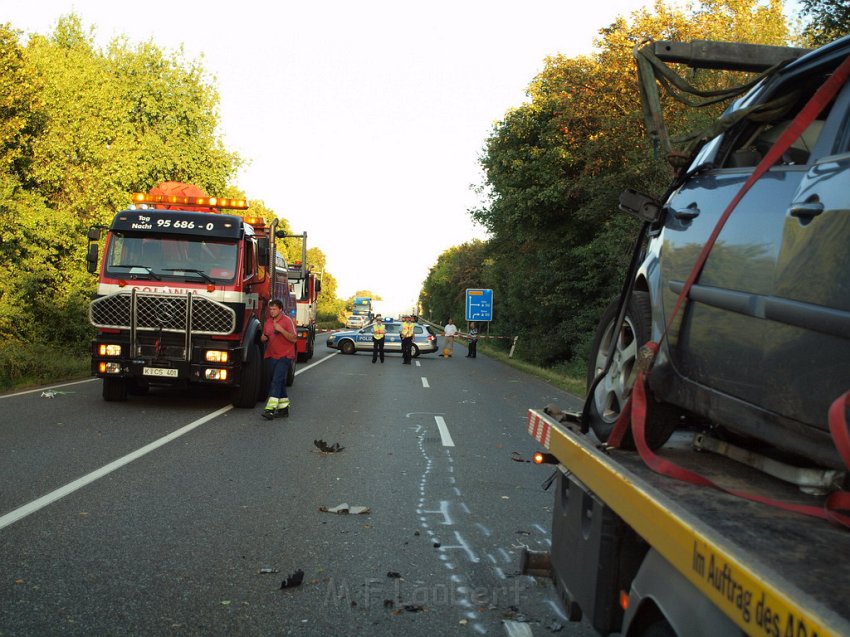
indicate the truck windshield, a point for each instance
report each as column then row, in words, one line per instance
column 164, row 257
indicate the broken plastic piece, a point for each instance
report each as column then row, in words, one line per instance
column 293, row 580
column 324, row 447
column 345, row 509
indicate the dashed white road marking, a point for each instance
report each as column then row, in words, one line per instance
column 445, row 436
column 425, row 383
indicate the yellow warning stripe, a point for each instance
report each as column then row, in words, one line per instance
column 740, row 590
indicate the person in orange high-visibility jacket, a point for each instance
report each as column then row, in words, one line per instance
column 407, row 340
column 378, row 334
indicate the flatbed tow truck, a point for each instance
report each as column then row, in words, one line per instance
column 631, row 547
column 639, row 553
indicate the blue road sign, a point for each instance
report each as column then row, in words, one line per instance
column 479, row 305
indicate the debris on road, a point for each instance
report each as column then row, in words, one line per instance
column 265, row 570
column 345, row 509
column 393, row 575
column 52, row 393
column 324, row 447
column 293, row 580
column 516, row 457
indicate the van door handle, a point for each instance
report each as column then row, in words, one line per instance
column 806, row 210
column 686, row 213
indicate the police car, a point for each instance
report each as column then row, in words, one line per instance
column 349, row 342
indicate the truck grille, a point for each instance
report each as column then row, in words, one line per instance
column 164, row 312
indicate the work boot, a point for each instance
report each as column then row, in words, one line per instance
column 282, row 413
column 268, row 414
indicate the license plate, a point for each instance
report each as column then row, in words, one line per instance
column 160, row 371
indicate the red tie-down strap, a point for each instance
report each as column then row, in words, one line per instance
column 837, row 505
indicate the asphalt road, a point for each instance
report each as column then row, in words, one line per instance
column 175, row 514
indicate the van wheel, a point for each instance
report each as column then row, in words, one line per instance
column 114, row 389
column 615, row 387
column 245, row 396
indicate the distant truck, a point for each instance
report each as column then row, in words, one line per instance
column 182, row 294
column 305, row 286
column 363, row 305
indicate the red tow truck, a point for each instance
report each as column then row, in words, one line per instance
column 182, row 293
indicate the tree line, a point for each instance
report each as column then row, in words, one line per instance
column 82, row 126
column 554, row 168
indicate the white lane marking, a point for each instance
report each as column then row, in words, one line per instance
column 61, row 492
column 425, row 383
column 418, row 364
column 444, row 432
column 298, row 369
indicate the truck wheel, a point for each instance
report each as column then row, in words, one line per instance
column 245, row 396
column 265, row 379
column 114, row 389
column 613, row 390
column 346, row 347
column 310, row 346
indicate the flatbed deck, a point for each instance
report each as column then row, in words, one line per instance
column 771, row 571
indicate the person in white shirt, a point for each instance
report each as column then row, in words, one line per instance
column 449, row 333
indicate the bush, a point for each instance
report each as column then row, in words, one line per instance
column 33, row 364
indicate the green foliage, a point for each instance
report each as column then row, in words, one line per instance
column 36, row 363
column 81, row 130
column 443, row 293
column 827, row 20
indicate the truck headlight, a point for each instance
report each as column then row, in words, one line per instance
column 216, row 356
column 109, row 349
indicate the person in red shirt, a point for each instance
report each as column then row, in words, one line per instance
column 279, row 336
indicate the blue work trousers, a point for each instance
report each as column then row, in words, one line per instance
column 278, row 370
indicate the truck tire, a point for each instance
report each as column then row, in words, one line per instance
column 114, row 389
column 311, row 341
column 245, row 396
column 613, row 390
column 265, row 379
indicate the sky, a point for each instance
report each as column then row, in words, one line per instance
column 362, row 123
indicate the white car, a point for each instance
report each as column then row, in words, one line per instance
column 356, row 321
